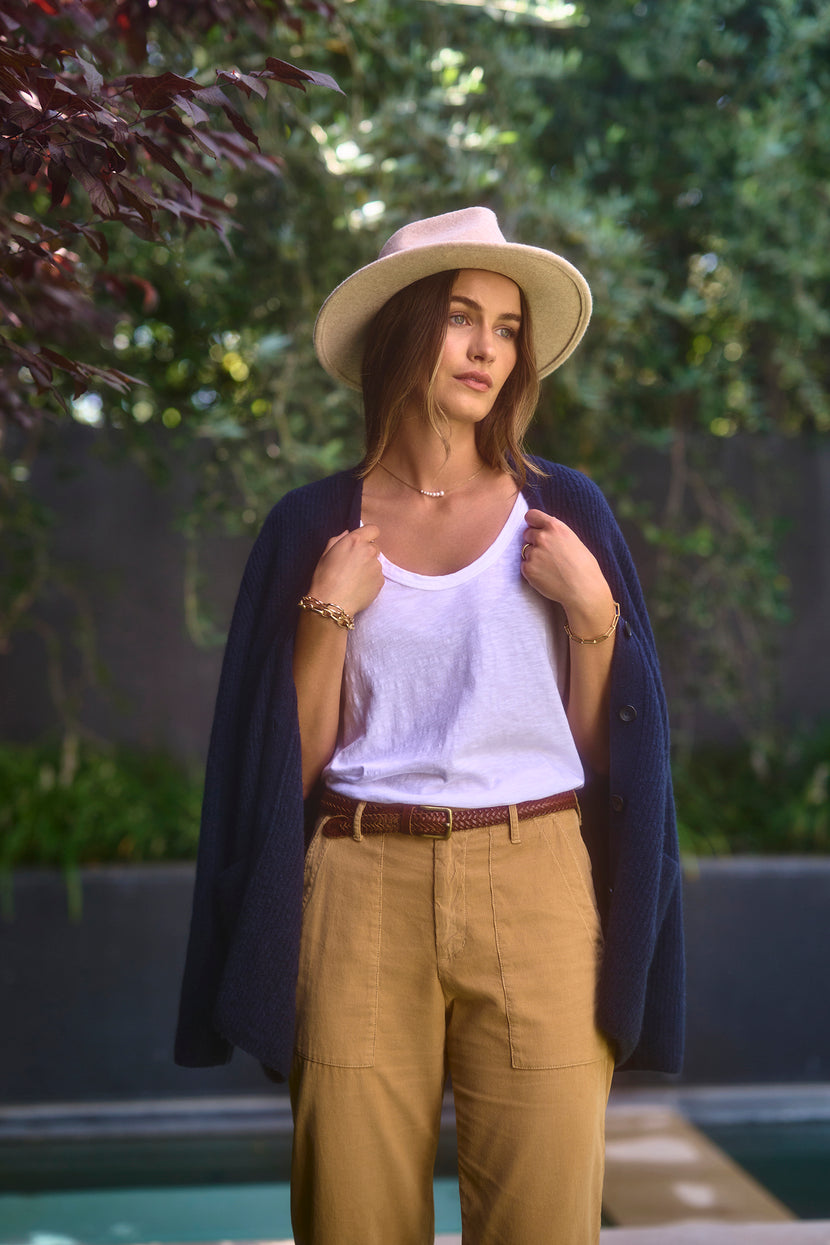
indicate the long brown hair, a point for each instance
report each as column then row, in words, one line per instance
column 400, row 361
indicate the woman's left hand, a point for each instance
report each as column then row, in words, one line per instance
column 559, row 566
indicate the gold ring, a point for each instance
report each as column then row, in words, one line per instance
column 526, row 545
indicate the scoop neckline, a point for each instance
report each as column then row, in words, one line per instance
column 415, row 579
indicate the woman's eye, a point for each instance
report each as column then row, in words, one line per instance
column 457, row 317
column 507, row 333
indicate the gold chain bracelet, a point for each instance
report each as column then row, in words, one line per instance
column 597, row 639
column 327, row 610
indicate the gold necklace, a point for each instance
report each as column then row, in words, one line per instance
column 426, row 492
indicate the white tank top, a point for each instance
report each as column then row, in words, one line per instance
column 450, row 688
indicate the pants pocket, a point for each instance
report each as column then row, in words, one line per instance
column 337, row 987
column 549, row 943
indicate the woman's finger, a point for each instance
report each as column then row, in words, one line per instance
column 537, row 520
column 332, row 541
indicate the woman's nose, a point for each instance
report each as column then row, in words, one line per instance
column 481, row 346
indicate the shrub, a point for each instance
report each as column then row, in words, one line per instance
column 62, row 808
column 774, row 798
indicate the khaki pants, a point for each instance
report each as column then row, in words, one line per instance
column 476, row 956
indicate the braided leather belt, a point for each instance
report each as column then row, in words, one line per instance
column 428, row 821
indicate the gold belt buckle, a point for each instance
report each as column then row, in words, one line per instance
column 437, row 808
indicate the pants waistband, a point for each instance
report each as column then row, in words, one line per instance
column 428, row 821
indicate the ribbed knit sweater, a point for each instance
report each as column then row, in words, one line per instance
column 241, row 969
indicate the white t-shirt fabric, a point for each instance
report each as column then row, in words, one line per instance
column 451, row 688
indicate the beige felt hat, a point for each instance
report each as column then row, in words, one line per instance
column 557, row 294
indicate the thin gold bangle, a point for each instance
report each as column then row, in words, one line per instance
column 327, row 610
column 597, row 639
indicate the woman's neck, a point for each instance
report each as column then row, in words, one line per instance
column 418, row 456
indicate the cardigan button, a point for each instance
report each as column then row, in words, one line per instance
column 617, row 803
column 628, row 714
column 627, row 629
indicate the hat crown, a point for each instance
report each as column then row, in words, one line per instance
column 557, row 295
column 477, row 225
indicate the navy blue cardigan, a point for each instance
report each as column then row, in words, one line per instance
column 241, row 968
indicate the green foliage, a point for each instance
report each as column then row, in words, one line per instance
column 71, row 141
column 63, row 807
column 676, row 153
column 763, row 798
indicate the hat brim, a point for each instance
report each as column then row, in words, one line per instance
column 557, row 295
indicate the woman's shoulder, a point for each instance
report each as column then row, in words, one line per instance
column 298, row 526
column 307, row 509
column 564, row 488
column 315, row 499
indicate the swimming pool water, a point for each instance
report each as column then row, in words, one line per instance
column 790, row 1158
column 125, row 1193
column 192, row 1213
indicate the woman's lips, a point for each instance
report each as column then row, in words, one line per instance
column 479, row 381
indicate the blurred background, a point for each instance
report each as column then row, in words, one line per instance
column 180, row 188
column 676, row 154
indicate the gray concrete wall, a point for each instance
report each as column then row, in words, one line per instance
column 89, row 1007
column 118, row 545
column 120, row 555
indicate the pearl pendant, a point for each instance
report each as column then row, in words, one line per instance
column 428, row 492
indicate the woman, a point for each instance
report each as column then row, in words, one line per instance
column 471, row 650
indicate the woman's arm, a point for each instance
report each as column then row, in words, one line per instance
column 348, row 575
column 560, row 567
column 589, row 686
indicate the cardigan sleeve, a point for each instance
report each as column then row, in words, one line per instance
column 641, row 997
column 252, row 747
column 240, row 968
column 224, row 832
column 640, row 1000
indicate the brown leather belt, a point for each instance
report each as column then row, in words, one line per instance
column 428, row 821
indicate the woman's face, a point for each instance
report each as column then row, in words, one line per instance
column 481, row 345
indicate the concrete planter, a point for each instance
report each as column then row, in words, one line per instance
column 94, row 1000
column 90, row 1006
column 757, row 931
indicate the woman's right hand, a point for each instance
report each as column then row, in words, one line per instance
column 349, row 575
column 349, row 572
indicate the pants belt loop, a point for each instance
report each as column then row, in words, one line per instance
column 515, row 836
column 357, row 833
column 578, row 809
